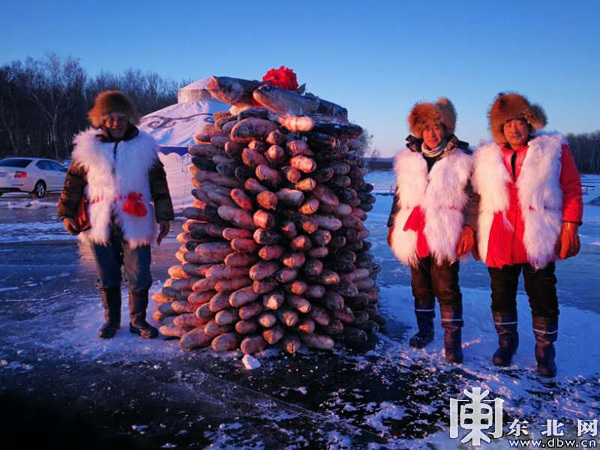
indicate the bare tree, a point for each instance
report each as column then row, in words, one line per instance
column 8, row 112
column 375, row 153
column 54, row 86
column 44, row 102
column 586, row 151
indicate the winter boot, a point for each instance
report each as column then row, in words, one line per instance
column 452, row 323
column 138, row 302
column 425, row 323
column 111, row 302
column 545, row 330
column 508, row 338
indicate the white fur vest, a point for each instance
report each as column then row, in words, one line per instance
column 539, row 193
column 109, row 182
column 442, row 196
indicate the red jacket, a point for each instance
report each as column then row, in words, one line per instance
column 506, row 242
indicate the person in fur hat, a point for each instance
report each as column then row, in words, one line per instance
column 118, row 182
column 430, row 226
column 530, row 210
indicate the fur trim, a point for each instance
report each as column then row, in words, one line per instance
column 411, row 184
column 111, row 101
column 424, row 115
column 441, row 194
column 110, row 180
column 513, row 106
column 445, row 201
column 540, row 196
column 539, row 191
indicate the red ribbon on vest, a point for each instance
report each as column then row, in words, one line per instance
column 416, row 222
column 134, row 206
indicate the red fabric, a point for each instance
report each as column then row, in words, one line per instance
column 505, row 245
column 571, row 187
column 416, row 222
column 134, row 206
column 83, row 218
column 283, row 77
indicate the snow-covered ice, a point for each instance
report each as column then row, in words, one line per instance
column 389, row 396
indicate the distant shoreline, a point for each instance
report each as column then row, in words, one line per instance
column 379, row 163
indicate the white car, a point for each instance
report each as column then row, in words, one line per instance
column 33, row 175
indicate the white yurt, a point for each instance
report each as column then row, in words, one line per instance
column 174, row 128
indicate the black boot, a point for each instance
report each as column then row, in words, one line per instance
column 138, row 302
column 508, row 338
column 425, row 334
column 545, row 330
column 452, row 323
column 111, row 302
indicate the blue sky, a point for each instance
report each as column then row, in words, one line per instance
column 377, row 58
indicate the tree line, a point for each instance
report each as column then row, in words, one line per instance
column 586, row 150
column 44, row 102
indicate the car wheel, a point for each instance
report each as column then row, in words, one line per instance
column 39, row 190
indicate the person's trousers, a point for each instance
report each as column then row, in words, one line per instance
column 540, row 286
column 118, row 254
column 430, row 280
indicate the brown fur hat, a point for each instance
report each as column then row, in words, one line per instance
column 511, row 106
column 427, row 114
column 112, row 101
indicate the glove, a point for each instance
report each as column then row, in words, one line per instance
column 71, row 226
column 165, row 227
column 568, row 244
column 466, row 241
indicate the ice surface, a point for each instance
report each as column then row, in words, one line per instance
column 31, row 204
column 39, row 231
column 392, row 395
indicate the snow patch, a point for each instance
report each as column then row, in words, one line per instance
column 480, row 339
column 338, row 441
column 250, row 362
column 30, row 204
column 33, row 231
column 230, row 426
column 385, row 412
column 8, row 289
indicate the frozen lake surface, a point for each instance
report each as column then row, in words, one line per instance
column 386, row 396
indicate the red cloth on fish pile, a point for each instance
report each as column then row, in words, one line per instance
column 283, row 77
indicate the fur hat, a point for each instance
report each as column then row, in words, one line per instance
column 427, row 114
column 511, row 106
column 112, row 101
